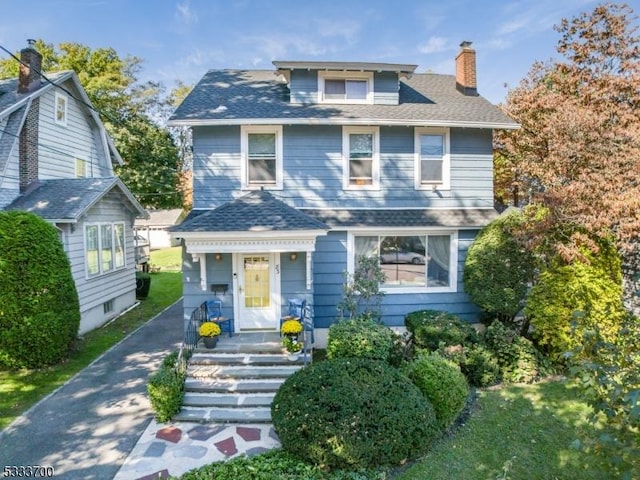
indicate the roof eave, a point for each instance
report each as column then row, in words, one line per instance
column 342, row 121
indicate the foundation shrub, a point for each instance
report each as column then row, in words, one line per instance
column 361, row 338
column 518, row 358
column 431, row 328
column 166, row 388
column 477, row 363
column 442, row 383
column 352, row 413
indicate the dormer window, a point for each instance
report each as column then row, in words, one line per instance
column 345, row 87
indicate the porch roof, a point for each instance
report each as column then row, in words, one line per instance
column 257, row 211
column 404, row 218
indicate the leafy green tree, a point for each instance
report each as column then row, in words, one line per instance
column 39, row 309
column 361, row 295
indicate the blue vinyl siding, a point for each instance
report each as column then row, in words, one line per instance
column 304, row 86
column 313, row 169
column 385, row 88
column 293, row 280
column 329, row 263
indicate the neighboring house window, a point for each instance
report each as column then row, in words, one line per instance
column 81, row 168
column 345, row 87
column 432, row 159
column 107, row 306
column 361, row 153
column 411, row 263
column 60, row 109
column 104, row 247
column 262, row 157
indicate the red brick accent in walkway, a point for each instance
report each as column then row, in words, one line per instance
column 170, row 434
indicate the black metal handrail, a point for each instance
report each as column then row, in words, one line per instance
column 191, row 334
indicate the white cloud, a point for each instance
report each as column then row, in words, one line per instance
column 434, row 45
column 185, row 14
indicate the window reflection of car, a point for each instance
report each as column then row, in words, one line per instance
column 141, row 248
column 402, row 257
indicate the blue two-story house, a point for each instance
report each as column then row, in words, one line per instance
column 300, row 170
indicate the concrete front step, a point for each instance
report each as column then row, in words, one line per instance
column 223, row 415
column 222, row 385
column 241, row 371
column 238, row 400
column 206, row 358
column 238, row 347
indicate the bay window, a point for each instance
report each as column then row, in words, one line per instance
column 104, row 247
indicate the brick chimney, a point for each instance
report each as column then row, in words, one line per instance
column 466, row 70
column 30, row 68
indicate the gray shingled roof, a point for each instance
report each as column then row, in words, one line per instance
column 67, row 199
column 9, row 95
column 257, row 211
column 231, row 96
column 343, row 218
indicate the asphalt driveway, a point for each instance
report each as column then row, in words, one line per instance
column 86, row 428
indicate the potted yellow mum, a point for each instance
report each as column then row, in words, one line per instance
column 290, row 330
column 209, row 331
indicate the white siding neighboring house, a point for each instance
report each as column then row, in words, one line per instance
column 155, row 228
column 56, row 160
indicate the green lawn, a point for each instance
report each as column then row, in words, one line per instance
column 515, row 432
column 21, row 389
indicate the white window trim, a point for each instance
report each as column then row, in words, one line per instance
column 55, row 109
column 446, row 159
column 113, row 248
column 329, row 75
column 245, row 130
column 453, row 252
column 375, row 184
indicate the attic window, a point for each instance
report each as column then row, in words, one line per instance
column 60, row 109
column 345, row 87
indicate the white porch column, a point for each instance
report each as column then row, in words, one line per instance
column 308, row 256
column 201, row 258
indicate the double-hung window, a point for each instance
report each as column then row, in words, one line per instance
column 60, row 109
column 361, row 153
column 413, row 262
column 104, row 248
column 345, row 87
column 432, row 162
column 262, row 157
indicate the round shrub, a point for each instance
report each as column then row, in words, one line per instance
column 430, row 328
column 166, row 388
column 352, row 413
column 498, row 270
column 569, row 300
column 360, row 338
column 441, row 381
column 39, row 309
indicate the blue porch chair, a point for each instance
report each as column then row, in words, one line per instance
column 214, row 314
column 297, row 310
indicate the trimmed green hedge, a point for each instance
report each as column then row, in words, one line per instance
column 352, row 413
column 430, row 328
column 39, row 308
column 166, row 388
column 442, row 383
column 276, row 465
column 360, row 338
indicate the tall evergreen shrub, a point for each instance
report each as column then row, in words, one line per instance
column 39, row 308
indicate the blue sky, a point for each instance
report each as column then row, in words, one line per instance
column 182, row 39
